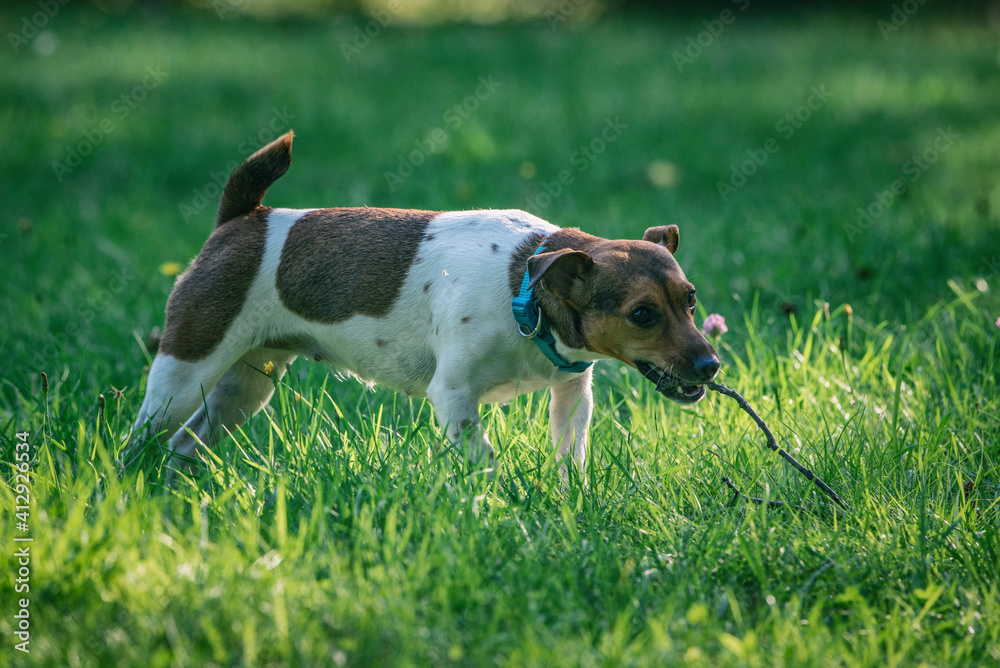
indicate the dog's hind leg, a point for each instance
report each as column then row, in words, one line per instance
column 241, row 392
column 174, row 390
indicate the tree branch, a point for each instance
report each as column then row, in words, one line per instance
column 773, row 444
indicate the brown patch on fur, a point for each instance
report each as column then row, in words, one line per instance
column 210, row 294
column 519, row 261
column 564, row 273
column 613, row 334
column 495, row 248
column 465, row 320
column 380, row 343
column 427, row 286
column 667, row 236
column 247, row 184
column 565, row 321
column 337, row 263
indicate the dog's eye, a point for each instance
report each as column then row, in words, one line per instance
column 642, row 316
column 692, row 301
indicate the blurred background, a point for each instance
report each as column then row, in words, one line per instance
column 834, row 169
column 811, row 153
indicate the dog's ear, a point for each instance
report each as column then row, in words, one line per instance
column 564, row 273
column 667, row 236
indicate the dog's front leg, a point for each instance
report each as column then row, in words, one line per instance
column 570, row 407
column 457, row 408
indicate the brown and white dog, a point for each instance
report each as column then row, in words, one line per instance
column 419, row 301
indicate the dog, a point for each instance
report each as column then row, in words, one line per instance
column 462, row 307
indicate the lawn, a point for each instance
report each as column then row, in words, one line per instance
column 837, row 191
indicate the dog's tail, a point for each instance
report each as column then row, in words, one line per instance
column 247, row 184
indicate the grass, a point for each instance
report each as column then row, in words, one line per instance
column 339, row 529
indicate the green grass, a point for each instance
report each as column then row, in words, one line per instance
column 341, row 529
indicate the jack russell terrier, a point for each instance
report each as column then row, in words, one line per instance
column 463, row 307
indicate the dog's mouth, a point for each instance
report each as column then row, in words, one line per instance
column 669, row 385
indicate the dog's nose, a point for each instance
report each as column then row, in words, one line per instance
column 706, row 367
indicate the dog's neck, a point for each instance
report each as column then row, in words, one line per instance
column 562, row 318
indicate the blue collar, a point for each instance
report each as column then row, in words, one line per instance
column 531, row 326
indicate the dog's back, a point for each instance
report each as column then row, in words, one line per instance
column 386, row 294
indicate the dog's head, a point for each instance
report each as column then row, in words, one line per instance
column 631, row 301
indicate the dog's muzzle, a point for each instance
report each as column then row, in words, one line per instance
column 673, row 387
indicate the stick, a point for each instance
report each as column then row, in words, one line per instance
column 773, row 503
column 773, row 444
